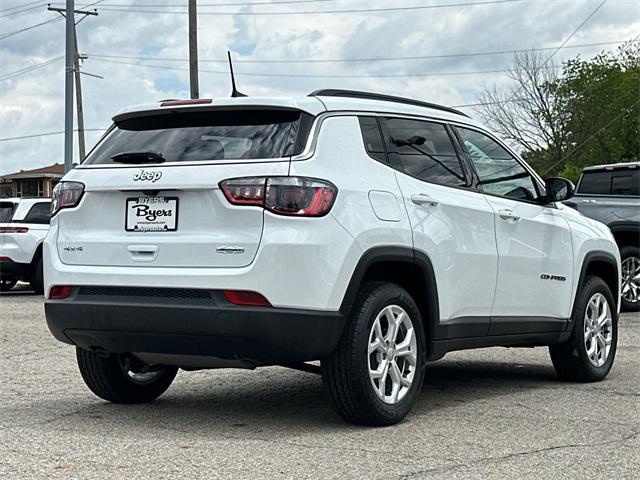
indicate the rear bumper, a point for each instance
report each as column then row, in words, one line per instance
column 11, row 269
column 192, row 323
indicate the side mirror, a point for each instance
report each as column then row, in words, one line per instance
column 558, row 189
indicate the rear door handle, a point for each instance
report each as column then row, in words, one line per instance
column 507, row 214
column 423, row 198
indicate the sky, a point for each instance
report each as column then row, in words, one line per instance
column 140, row 48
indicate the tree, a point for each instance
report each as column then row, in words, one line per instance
column 588, row 115
column 528, row 113
column 602, row 97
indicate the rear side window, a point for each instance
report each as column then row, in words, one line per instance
column 610, row 183
column 39, row 213
column 6, row 211
column 372, row 137
column 424, row 151
column 208, row 135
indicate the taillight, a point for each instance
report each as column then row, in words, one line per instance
column 60, row 292
column 244, row 297
column 14, row 229
column 66, row 195
column 294, row 196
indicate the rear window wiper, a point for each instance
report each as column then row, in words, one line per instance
column 138, row 157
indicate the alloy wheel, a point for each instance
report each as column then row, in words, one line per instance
column 631, row 279
column 598, row 329
column 392, row 354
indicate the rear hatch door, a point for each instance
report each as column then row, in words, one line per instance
column 159, row 204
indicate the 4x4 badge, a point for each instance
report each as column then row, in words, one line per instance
column 147, row 175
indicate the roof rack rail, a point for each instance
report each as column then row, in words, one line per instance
column 385, row 98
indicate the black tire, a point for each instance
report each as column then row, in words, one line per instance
column 629, row 252
column 345, row 372
column 570, row 359
column 7, row 284
column 36, row 281
column 106, row 377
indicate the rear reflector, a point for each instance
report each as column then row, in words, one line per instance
column 14, row 229
column 243, row 297
column 60, row 292
column 194, row 101
column 5, row 259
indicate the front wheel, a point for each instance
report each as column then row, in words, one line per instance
column 123, row 378
column 589, row 353
column 375, row 374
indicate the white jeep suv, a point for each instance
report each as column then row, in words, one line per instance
column 24, row 223
column 371, row 233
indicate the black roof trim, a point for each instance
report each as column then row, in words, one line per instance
column 385, row 98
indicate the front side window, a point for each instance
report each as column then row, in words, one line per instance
column 498, row 171
column 424, row 151
column 204, row 136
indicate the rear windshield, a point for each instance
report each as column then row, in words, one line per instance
column 209, row 135
column 612, row 182
column 6, row 211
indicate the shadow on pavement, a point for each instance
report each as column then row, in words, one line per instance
column 287, row 402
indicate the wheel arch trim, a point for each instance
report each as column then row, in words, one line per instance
column 409, row 256
column 589, row 258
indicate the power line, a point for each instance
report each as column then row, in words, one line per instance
column 25, row 10
column 349, row 60
column 316, row 12
column 15, row 32
column 304, row 75
column 235, row 4
column 15, row 7
column 30, row 68
column 48, row 133
column 562, row 45
column 575, row 31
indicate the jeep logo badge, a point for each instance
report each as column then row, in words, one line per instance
column 147, row 175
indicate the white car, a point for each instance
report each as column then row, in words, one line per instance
column 24, row 223
column 372, row 233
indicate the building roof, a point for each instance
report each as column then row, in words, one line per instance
column 52, row 171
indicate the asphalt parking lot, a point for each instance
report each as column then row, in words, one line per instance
column 496, row 413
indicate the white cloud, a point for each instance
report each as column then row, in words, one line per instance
column 33, row 102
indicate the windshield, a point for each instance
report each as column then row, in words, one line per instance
column 205, row 136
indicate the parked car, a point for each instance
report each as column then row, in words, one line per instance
column 611, row 195
column 24, row 223
column 372, row 233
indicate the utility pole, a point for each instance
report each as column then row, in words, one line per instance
column 71, row 64
column 79, row 112
column 193, row 50
column 68, row 87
